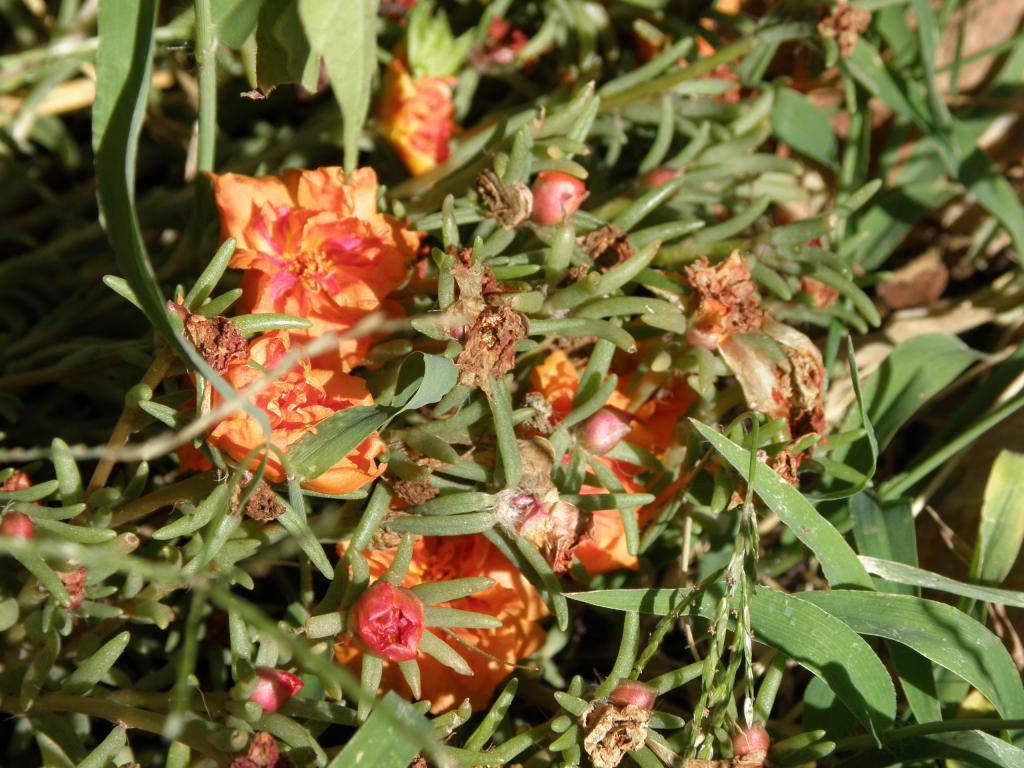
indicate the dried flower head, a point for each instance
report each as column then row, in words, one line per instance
column 509, row 204
column 490, row 346
column 724, row 301
column 612, row 730
column 216, row 339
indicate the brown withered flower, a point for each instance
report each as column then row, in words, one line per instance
column 607, row 246
column 509, row 204
column 822, row 294
column 263, row 752
column 724, row 301
column 414, row 491
column 216, row 339
column 490, row 346
column 263, row 505
column 845, row 24
column 617, row 725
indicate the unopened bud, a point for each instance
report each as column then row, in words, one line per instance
column 640, row 695
column 556, row 196
column 17, row 526
column 661, row 176
column 274, row 688
column 604, row 430
column 751, row 742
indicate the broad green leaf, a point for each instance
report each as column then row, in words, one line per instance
column 658, row 602
column 838, row 560
column 283, row 53
column 1001, row 529
column 379, row 743
column 886, row 530
column 335, row 437
column 803, row 126
column 975, row 748
column 345, row 34
column 235, row 20
column 898, row 573
column 829, row 649
column 914, row 372
column 423, row 379
column 123, row 67
column 948, row 637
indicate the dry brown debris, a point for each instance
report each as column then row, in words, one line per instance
column 490, row 346
column 509, row 204
column 845, row 24
column 822, row 294
column 216, row 339
column 263, row 505
column 607, row 246
column 414, row 492
column 724, row 300
column 263, row 752
column 612, row 731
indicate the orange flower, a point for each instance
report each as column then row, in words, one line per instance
column 415, row 116
column 652, row 427
column 511, row 599
column 295, row 404
column 314, row 245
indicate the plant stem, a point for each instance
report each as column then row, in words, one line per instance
column 206, row 58
column 123, row 429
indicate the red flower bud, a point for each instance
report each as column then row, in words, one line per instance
column 604, row 430
column 556, row 196
column 17, row 526
column 752, row 741
column 74, row 583
column 634, row 692
column 274, row 688
column 661, row 176
column 389, row 621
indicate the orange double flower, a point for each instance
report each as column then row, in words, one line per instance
column 314, row 245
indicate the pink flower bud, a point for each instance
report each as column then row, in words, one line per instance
column 604, row 430
column 556, row 196
column 274, row 688
column 751, row 741
column 174, row 308
column 661, row 176
column 17, row 526
column 389, row 621
column 640, row 695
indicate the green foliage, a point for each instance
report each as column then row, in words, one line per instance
column 141, row 601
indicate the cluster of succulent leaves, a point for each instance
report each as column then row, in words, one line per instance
column 850, row 663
